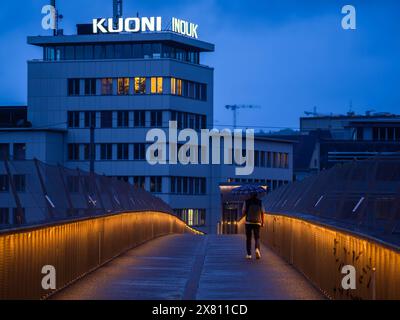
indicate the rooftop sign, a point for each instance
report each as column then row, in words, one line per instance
column 143, row 24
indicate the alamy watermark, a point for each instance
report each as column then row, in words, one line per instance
column 197, row 150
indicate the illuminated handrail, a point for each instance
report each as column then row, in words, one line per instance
column 320, row 252
column 74, row 248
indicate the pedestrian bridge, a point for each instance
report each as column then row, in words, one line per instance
column 154, row 255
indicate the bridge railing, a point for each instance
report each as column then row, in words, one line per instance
column 348, row 216
column 73, row 249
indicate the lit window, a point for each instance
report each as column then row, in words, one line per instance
column 156, row 85
column 179, row 87
column 123, row 86
column 140, row 85
column 173, row 86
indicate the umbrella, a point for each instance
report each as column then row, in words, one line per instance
column 249, row 189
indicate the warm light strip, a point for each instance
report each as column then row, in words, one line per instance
column 320, row 252
column 74, row 248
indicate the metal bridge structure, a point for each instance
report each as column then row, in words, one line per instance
column 107, row 239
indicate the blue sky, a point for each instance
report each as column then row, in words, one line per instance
column 286, row 56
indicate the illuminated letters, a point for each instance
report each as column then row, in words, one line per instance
column 185, row 28
column 144, row 24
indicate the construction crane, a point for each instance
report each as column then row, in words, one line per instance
column 235, row 107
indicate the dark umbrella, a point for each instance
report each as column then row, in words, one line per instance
column 248, row 189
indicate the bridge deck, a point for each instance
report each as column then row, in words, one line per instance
column 193, row 267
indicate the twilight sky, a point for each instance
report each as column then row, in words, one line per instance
column 284, row 55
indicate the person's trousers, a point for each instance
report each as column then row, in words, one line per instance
column 252, row 228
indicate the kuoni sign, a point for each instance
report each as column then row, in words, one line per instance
column 143, row 24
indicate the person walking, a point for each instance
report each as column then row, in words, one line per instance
column 253, row 210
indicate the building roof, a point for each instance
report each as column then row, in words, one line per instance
column 165, row 36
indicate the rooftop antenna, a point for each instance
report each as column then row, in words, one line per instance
column 57, row 18
column 117, row 11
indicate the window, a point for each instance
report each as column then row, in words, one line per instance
column 193, row 217
column 139, row 182
column 179, row 87
column 140, row 119
column 106, row 119
column 185, row 185
column 156, row 85
column 90, row 119
column 90, row 87
column 123, row 151
column 4, row 216
column 140, row 85
column 19, row 151
column 139, row 151
column 123, row 119
column 262, row 160
column 73, row 119
column 203, row 88
column 4, row 183
column 123, row 86
column 269, row 160
column 203, row 189
column 106, row 151
column 156, row 118
column 69, row 53
column 4, row 151
column 73, row 87
column 173, row 86
column 86, row 152
column 107, row 86
column 19, row 182
column 256, row 158
column 73, row 151
column 99, row 52
column 173, row 185
column 156, row 184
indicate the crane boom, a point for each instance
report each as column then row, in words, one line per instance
column 235, row 107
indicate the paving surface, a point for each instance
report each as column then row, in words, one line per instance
column 193, row 267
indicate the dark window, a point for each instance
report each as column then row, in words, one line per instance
column 73, row 119
column 203, row 92
column 123, row 119
column 107, row 86
column 86, row 151
column 156, row 118
column 73, row 87
column 139, row 182
column 90, row 119
column 173, row 185
column 4, row 183
column 123, row 151
column 106, row 119
column 203, row 188
column 106, row 151
column 4, row 216
column 73, row 151
column 140, row 118
column 110, row 51
column 179, row 185
column 123, row 51
column 256, row 158
column 4, row 151
column 88, row 52
column 203, row 122
column 139, row 151
column 137, row 51
column 79, row 53
column 19, row 152
column 90, row 87
column 156, row 184
column 19, row 182
column 185, row 185
column 375, row 133
column 99, row 52
column 69, row 53
column 197, row 186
